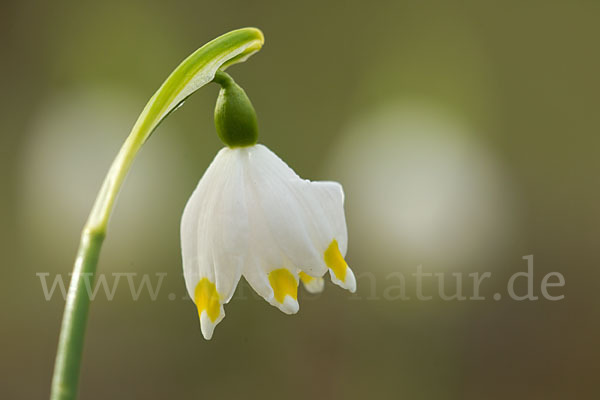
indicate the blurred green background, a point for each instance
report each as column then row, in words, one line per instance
column 465, row 135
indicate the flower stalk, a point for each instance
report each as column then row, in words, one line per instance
column 194, row 72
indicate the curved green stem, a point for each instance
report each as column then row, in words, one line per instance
column 194, row 72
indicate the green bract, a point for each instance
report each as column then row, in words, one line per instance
column 194, row 72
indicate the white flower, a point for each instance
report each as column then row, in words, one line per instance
column 251, row 215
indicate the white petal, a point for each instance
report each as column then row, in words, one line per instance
column 193, row 267
column 214, row 231
column 207, row 326
column 261, row 280
column 349, row 283
column 312, row 284
column 277, row 197
column 257, row 276
column 252, row 215
column 328, row 203
column 293, row 221
column 263, row 258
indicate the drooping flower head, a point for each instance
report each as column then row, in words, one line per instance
column 251, row 215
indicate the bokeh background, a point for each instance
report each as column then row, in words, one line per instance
column 466, row 136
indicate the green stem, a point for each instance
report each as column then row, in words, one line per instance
column 194, row 72
column 72, row 332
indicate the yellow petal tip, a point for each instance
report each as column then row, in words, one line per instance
column 334, row 261
column 207, row 299
column 284, row 284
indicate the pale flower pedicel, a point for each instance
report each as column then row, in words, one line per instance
column 251, row 215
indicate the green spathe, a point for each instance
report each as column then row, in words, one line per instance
column 235, row 118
